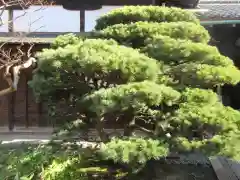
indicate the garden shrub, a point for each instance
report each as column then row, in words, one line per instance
column 24, row 161
column 53, row 161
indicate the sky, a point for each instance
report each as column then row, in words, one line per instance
column 52, row 19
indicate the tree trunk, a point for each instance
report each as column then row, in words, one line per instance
column 100, row 129
column 129, row 128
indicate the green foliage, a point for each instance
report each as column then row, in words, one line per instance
column 64, row 40
column 24, row 161
column 64, row 168
column 92, row 62
column 132, row 95
column 175, row 51
column 203, row 75
column 202, row 123
column 130, row 14
column 214, row 118
column 191, row 63
column 54, row 162
column 49, row 162
column 219, row 145
column 135, row 34
column 133, row 150
column 199, row 96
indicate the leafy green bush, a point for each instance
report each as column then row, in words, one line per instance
column 53, row 161
column 64, row 168
column 130, row 14
column 135, row 34
column 24, row 161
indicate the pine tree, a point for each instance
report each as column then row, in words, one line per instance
column 150, row 68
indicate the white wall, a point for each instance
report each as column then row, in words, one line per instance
column 46, row 19
column 91, row 16
column 3, row 22
column 52, row 19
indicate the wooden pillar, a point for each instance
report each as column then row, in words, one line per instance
column 11, row 105
column 26, row 101
column 82, row 20
column 39, row 110
column 11, row 96
column 10, row 21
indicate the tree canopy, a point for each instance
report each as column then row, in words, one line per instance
column 131, row 14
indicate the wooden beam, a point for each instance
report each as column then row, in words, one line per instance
column 82, row 20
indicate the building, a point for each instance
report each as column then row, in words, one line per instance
column 221, row 18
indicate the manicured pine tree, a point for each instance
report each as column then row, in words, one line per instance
column 151, row 69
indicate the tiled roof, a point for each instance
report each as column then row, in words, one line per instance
column 37, row 38
column 218, row 1
column 18, row 40
column 220, row 11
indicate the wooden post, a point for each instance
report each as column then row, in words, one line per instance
column 39, row 110
column 11, row 96
column 11, row 106
column 26, row 101
column 82, row 20
column 10, row 21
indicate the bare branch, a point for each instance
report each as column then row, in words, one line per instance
column 7, row 77
column 12, row 62
column 29, row 51
column 16, row 75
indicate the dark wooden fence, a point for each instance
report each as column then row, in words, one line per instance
column 20, row 108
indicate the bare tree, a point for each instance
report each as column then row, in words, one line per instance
column 12, row 63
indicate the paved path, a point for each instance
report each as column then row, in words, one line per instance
column 226, row 169
column 21, row 134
